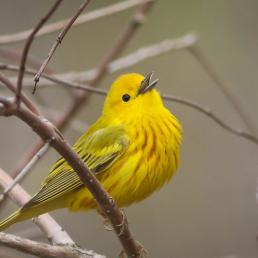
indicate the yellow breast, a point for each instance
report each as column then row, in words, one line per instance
column 149, row 162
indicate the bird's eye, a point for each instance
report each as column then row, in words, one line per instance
column 126, row 97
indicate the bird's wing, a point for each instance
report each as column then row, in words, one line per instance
column 98, row 150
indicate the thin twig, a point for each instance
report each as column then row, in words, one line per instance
column 48, row 132
column 27, row 48
column 184, row 101
column 115, row 216
column 84, row 18
column 44, row 250
column 25, row 170
column 27, row 102
column 211, row 115
column 199, row 55
column 58, row 41
column 124, row 62
column 71, row 110
column 46, row 223
column 14, row 55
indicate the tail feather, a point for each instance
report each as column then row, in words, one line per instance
column 28, row 212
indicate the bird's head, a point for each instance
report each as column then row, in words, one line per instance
column 132, row 95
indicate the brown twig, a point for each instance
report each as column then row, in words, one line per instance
column 44, row 250
column 211, row 115
column 49, row 133
column 14, row 55
column 196, row 106
column 59, row 41
column 101, row 71
column 84, row 18
column 25, row 100
column 27, row 47
column 199, row 55
column 124, row 62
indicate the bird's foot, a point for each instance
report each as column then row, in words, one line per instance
column 123, row 224
column 109, row 227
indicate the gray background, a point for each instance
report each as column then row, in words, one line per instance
column 209, row 209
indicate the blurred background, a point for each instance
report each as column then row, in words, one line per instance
column 209, row 209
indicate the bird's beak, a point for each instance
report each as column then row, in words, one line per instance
column 147, row 84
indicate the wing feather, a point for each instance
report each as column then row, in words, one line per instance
column 98, row 150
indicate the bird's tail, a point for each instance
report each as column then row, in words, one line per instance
column 29, row 211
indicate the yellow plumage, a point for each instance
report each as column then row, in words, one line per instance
column 133, row 149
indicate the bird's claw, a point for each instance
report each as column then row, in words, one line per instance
column 109, row 227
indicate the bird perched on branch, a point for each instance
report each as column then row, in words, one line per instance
column 133, row 149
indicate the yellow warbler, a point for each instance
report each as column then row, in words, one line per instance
column 133, row 149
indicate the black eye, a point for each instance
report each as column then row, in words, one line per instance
column 126, row 97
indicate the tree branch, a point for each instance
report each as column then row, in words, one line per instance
column 49, row 133
column 14, row 55
column 84, row 18
column 124, row 62
column 80, row 99
column 46, row 223
column 196, row 106
column 44, row 250
column 27, row 102
column 59, row 40
column 25, row 170
column 211, row 115
column 199, row 55
column 27, row 48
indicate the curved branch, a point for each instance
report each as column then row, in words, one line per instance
column 58, row 41
column 189, row 103
column 46, row 223
column 124, row 62
column 199, row 55
column 211, row 115
column 25, row 100
column 84, row 18
column 13, row 55
column 49, row 133
column 27, row 48
column 44, row 250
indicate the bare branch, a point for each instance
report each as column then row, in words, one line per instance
column 59, row 40
column 46, row 223
column 71, row 110
column 211, row 115
column 121, row 63
column 199, row 55
column 189, row 103
column 48, row 132
column 84, row 18
column 25, row 170
column 27, row 47
column 14, row 55
column 105, row 202
column 44, row 250
column 25, row 100
column 133, row 25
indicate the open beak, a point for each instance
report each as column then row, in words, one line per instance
column 147, row 84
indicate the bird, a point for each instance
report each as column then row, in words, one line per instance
column 133, row 149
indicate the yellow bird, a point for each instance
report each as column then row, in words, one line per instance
column 133, row 149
